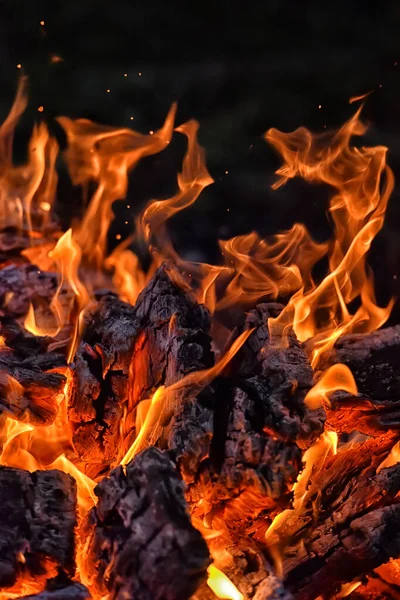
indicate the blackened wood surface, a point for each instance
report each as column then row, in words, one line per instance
column 32, row 380
column 100, row 387
column 139, row 539
column 277, row 372
column 174, row 341
column 374, row 360
column 260, row 423
column 37, row 521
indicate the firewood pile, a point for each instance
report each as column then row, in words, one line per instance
column 190, row 431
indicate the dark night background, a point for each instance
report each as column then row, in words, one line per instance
column 237, row 67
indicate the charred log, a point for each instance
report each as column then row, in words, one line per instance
column 25, row 284
column 32, row 380
column 260, row 422
column 100, row 387
column 374, row 361
column 355, row 527
column 139, row 539
column 37, row 521
column 174, row 341
column 279, row 375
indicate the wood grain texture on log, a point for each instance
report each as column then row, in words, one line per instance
column 74, row 591
column 100, row 386
column 139, row 541
column 374, row 360
column 174, row 341
column 37, row 522
column 32, row 380
column 347, row 525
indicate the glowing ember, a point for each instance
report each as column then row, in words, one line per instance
column 221, row 585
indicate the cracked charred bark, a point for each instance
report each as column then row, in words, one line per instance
column 139, row 541
column 37, row 522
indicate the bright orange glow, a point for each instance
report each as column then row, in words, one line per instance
column 324, row 446
column 221, row 585
column 337, row 378
column 67, row 256
column 269, row 268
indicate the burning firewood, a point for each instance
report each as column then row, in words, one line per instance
column 138, row 540
column 255, row 459
column 372, row 359
column 36, row 525
column 346, row 524
column 172, row 343
column 32, row 380
column 100, row 388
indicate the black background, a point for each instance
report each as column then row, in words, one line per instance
column 237, row 67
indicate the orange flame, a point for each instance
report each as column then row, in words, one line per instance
column 191, row 182
column 363, row 184
column 105, row 155
column 337, row 378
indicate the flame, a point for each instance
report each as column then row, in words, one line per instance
column 25, row 189
column 129, row 278
column 337, row 377
column 269, row 268
column 280, row 267
column 191, row 182
column 324, row 446
column 105, row 155
column 221, row 585
column 27, row 584
column 67, row 255
column 363, row 184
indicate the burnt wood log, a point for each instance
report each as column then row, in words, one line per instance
column 100, row 387
column 276, row 370
column 374, row 360
column 346, row 527
column 74, row 591
column 32, row 380
column 173, row 341
column 139, row 541
column 260, row 423
column 37, row 522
